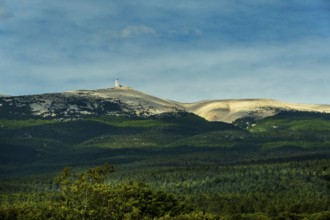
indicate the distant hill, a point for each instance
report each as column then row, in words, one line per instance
column 121, row 101
column 233, row 109
column 123, row 125
column 129, row 102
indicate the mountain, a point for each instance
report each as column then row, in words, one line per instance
column 271, row 153
column 85, row 103
column 129, row 102
column 137, row 102
column 233, row 109
column 46, row 132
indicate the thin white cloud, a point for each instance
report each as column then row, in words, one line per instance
column 137, row 30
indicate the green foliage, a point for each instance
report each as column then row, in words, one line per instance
column 87, row 196
column 6, row 123
column 295, row 144
column 271, row 124
column 241, row 191
column 42, row 138
column 124, row 122
column 221, row 139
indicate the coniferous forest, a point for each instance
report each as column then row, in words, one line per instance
column 168, row 167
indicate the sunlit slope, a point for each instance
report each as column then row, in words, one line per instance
column 139, row 102
column 85, row 103
column 129, row 102
column 293, row 130
column 233, row 109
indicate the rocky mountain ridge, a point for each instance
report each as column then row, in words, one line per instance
column 127, row 101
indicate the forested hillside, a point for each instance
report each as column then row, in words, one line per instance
column 274, row 168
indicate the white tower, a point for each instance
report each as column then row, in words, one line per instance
column 117, row 84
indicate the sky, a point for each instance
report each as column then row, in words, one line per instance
column 187, row 50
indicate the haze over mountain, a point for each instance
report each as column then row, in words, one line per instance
column 127, row 101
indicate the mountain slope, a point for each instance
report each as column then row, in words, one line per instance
column 85, row 103
column 233, row 109
column 124, row 125
column 130, row 102
column 143, row 104
column 27, row 140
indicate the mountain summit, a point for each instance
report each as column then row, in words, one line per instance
column 124, row 100
column 138, row 102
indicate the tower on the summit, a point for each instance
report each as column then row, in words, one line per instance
column 117, row 84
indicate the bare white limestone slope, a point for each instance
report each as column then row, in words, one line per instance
column 230, row 110
column 89, row 102
column 212, row 110
column 136, row 100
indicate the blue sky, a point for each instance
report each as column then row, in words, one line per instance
column 180, row 50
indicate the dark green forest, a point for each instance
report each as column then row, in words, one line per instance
column 165, row 167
